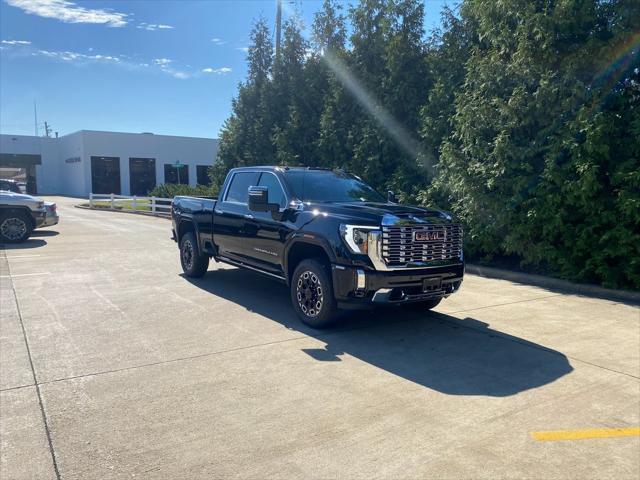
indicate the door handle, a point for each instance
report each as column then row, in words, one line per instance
column 218, row 212
column 248, row 216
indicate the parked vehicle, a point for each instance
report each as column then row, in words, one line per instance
column 19, row 215
column 335, row 241
column 52, row 217
column 10, row 186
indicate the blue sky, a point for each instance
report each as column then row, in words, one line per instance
column 163, row 66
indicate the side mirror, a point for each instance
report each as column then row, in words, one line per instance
column 259, row 199
column 391, row 197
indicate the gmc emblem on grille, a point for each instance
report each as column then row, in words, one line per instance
column 428, row 236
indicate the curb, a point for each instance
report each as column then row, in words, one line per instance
column 147, row 214
column 553, row 283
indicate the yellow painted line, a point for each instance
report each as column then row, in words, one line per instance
column 554, row 435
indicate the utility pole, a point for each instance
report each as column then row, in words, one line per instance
column 278, row 27
column 35, row 118
column 47, row 130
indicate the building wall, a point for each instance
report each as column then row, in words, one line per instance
column 66, row 161
column 72, row 167
column 165, row 149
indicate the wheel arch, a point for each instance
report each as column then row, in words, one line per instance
column 304, row 248
column 186, row 225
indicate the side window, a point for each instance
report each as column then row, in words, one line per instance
column 239, row 189
column 276, row 195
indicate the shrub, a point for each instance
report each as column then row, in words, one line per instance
column 170, row 190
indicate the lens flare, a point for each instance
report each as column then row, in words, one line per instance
column 376, row 110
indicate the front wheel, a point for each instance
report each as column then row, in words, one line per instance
column 15, row 227
column 194, row 263
column 312, row 294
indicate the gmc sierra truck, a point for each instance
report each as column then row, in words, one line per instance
column 19, row 215
column 330, row 237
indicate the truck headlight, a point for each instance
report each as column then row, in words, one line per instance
column 356, row 237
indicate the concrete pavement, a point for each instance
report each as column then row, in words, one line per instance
column 114, row 365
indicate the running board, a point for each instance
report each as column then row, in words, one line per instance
column 236, row 263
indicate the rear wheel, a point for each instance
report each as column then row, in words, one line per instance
column 15, row 227
column 312, row 294
column 194, row 263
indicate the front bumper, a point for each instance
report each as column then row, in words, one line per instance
column 51, row 220
column 358, row 288
column 39, row 218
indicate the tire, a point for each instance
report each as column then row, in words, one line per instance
column 194, row 264
column 426, row 305
column 15, row 227
column 312, row 294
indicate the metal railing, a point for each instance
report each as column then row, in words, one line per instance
column 153, row 205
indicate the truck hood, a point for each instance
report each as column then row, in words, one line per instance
column 369, row 213
column 19, row 196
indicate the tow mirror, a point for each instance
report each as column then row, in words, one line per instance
column 259, row 199
column 391, row 197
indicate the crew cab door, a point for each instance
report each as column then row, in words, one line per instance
column 231, row 217
column 266, row 235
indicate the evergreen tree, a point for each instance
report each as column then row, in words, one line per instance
column 529, row 112
column 529, row 164
column 245, row 137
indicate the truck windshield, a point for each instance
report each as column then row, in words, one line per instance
column 329, row 186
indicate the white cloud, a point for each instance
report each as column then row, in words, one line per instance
column 16, row 42
column 70, row 12
column 217, row 71
column 19, row 49
column 218, row 41
column 243, row 49
column 154, row 26
column 68, row 56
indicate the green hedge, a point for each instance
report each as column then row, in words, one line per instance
column 169, row 190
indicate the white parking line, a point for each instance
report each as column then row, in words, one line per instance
column 22, row 256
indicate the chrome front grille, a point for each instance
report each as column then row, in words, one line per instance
column 406, row 244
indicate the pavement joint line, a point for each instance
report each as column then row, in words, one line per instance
column 35, row 378
column 585, row 434
column 8, row 389
column 501, row 335
column 24, row 274
column 202, row 355
column 504, row 304
column 511, row 338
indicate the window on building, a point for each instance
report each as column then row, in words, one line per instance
column 142, row 175
column 239, row 188
column 202, row 172
column 105, row 175
column 173, row 174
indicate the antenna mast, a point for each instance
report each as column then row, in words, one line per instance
column 35, row 118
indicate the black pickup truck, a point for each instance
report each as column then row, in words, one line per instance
column 334, row 240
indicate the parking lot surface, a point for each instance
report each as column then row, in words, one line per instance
column 114, row 365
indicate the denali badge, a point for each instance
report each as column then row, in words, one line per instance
column 428, row 236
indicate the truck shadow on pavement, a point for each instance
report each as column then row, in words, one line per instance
column 447, row 354
column 44, row 233
column 30, row 243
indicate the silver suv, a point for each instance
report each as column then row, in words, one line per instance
column 19, row 215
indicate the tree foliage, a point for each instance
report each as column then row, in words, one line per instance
column 520, row 116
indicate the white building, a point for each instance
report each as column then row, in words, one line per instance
column 106, row 162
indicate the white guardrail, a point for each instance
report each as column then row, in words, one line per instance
column 133, row 204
